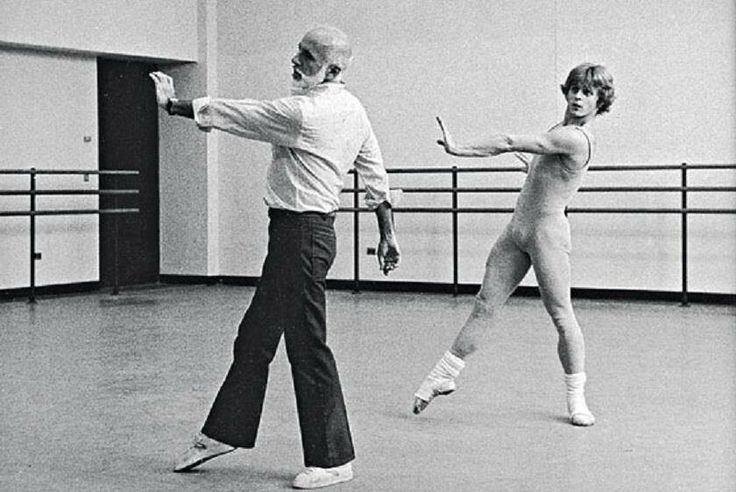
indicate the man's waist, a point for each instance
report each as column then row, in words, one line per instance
column 293, row 214
column 302, row 199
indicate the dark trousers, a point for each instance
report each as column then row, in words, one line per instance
column 289, row 300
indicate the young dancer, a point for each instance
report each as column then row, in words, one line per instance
column 537, row 236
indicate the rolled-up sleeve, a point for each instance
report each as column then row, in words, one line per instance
column 369, row 165
column 277, row 122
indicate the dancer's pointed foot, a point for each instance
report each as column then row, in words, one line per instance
column 430, row 389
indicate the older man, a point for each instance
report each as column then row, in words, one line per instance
column 318, row 134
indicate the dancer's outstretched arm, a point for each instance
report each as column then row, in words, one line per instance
column 559, row 140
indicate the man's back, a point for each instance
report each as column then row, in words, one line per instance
column 317, row 137
column 333, row 133
column 332, row 124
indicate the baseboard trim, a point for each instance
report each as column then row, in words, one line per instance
column 189, row 279
column 445, row 288
column 384, row 286
column 49, row 290
column 525, row 291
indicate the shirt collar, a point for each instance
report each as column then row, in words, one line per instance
column 327, row 87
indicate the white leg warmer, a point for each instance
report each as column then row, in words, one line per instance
column 576, row 405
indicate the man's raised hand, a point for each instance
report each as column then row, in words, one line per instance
column 164, row 88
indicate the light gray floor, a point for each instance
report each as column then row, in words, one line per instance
column 102, row 393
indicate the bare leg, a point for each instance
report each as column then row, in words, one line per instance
column 556, row 297
column 552, row 268
column 505, row 268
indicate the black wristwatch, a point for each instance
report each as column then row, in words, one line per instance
column 170, row 104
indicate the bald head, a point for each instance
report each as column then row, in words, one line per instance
column 331, row 45
column 324, row 53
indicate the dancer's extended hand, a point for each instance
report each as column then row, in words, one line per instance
column 446, row 141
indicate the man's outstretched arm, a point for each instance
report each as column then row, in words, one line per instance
column 276, row 122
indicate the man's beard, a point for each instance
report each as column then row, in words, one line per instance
column 305, row 83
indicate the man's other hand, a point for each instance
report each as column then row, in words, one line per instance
column 388, row 255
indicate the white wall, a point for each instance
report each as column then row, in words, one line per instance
column 188, row 199
column 482, row 65
column 44, row 126
column 164, row 29
column 493, row 66
column 48, row 73
column 674, row 67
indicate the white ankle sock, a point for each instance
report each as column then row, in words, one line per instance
column 576, row 394
column 448, row 367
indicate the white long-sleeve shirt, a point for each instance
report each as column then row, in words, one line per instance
column 316, row 137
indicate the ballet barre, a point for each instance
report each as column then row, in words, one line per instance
column 454, row 210
column 32, row 212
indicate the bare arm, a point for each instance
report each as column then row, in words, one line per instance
column 560, row 140
column 388, row 248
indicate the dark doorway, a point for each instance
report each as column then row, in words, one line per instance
column 128, row 126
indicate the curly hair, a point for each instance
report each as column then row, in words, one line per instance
column 595, row 78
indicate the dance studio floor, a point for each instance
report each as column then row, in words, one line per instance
column 101, row 393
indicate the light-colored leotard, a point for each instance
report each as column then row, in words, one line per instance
column 538, row 235
column 539, row 215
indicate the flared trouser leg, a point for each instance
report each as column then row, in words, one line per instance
column 289, row 300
